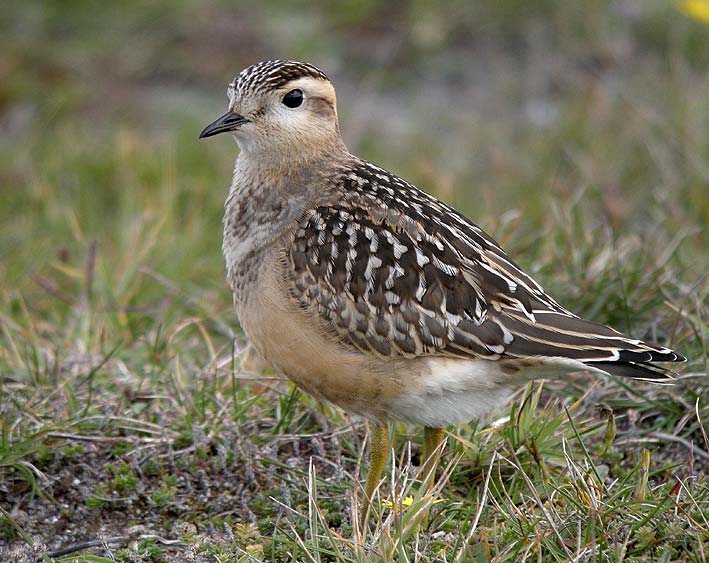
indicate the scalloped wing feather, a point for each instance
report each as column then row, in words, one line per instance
column 392, row 271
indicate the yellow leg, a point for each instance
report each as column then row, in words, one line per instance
column 432, row 440
column 378, row 452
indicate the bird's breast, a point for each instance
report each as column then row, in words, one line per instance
column 297, row 345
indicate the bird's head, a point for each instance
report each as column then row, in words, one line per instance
column 281, row 110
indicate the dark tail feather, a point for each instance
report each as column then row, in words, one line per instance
column 552, row 333
column 635, row 370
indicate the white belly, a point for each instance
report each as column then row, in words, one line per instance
column 453, row 391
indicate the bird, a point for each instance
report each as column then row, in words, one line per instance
column 374, row 295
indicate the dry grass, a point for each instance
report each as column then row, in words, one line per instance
column 128, row 430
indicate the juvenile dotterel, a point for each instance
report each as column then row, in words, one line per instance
column 374, row 295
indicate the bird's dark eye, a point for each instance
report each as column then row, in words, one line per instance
column 293, row 99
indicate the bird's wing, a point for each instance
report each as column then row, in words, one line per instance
column 394, row 272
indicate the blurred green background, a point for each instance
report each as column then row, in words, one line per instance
column 513, row 111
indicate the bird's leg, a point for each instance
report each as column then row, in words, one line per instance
column 378, row 452
column 432, row 440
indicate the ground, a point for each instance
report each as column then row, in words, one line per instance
column 575, row 133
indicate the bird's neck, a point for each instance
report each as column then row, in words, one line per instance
column 289, row 154
column 267, row 196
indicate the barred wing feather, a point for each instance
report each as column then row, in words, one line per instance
column 392, row 271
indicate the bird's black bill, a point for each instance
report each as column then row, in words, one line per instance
column 227, row 122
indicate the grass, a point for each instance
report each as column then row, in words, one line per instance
column 129, row 431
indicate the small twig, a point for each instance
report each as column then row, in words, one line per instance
column 659, row 437
column 86, row 545
column 131, row 423
column 686, row 443
column 112, row 540
column 105, row 439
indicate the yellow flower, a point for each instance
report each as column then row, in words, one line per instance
column 695, row 9
column 407, row 502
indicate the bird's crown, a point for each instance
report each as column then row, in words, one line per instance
column 272, row 75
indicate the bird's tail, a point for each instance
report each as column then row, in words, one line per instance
column 594, row 345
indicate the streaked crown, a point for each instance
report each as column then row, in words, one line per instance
column 271, row 75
